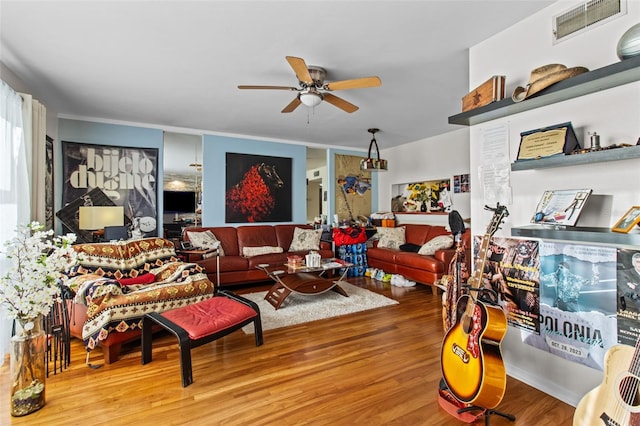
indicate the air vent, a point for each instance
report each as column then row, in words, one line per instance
column 583, row 17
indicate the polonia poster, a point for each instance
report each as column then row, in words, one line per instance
column 577, row 302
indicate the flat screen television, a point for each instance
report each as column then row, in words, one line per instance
column 179, row 201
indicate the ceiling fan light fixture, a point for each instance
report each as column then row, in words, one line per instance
column 310, row 99
column 373, row 164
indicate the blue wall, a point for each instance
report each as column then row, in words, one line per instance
column 214, row 150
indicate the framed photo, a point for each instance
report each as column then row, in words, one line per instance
column 186, row 245
column 628, row 220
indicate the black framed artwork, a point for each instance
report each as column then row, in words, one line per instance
column 127, row 176
column 257, row 188
column 48, row 184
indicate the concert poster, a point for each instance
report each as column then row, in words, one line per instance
column 127, row 176
column 577, row 302
column 628, row 296
column 511, row 276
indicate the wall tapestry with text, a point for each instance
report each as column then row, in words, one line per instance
column 127, row 176
column 353, row 188
column 258, row 188
column 577, row 302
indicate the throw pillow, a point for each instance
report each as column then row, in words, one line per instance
column 440, row 242
column 205, row 240
column 140, row 279
column 255, row 251
column 305, row 239
column 410, row 247
column 391, row 238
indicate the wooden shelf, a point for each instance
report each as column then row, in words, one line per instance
column 583, row 235
column 615, row 154
column 613, row 75
column 427, row 213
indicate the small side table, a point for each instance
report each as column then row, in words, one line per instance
column 192, row 256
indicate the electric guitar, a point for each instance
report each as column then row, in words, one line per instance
column 471, row 359
column 616, row 401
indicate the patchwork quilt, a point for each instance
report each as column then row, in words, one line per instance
column 113, row 281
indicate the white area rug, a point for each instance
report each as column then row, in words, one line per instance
column 298, row 309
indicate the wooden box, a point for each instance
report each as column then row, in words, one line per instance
column 490, row 91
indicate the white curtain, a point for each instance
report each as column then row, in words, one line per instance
column 34, row 118
column 15, row 194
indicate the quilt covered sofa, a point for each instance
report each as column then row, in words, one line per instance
column 115, row 284
column 386, row 253
column 247, row 246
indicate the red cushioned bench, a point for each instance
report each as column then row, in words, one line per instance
column 200, row 323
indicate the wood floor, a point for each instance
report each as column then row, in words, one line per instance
column 379, row 367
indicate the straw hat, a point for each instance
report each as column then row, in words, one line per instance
column 543, row 77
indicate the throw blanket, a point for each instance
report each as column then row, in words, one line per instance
column 113, row 307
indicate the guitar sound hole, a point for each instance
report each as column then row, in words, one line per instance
column 628, row 389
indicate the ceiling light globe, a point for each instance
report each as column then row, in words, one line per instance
column 310, row 99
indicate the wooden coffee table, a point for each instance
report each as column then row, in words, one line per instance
column 304, row 280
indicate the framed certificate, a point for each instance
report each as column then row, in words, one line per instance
column 559, row 139
column 561, row 207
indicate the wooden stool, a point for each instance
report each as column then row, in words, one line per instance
column 200, row 323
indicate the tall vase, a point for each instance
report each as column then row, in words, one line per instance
column 28, row 366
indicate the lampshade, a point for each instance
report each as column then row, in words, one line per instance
column 310, row 99
column 373, row 164
column 97, row 217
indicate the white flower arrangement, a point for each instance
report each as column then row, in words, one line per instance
column 38, row 262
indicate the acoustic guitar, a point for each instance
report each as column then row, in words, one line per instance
column 615, row 401
column 471, row 359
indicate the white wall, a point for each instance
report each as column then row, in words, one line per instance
column 613, row 114
column 433, row 158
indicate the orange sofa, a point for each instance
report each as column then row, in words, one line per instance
column 237, row 269
column 424, row 269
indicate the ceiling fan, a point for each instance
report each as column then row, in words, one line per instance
column 313, row 89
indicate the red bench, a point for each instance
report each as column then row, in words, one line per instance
column 200, row 323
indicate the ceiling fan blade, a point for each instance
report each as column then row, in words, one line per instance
column 339, row 102
column 357, row 83
column 300, row 68
column 292, row 105
column 267, row 87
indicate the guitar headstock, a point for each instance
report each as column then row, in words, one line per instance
column 499, row 213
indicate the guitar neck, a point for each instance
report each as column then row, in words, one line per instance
column 475, row 282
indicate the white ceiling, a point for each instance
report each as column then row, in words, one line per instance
column 177, row 64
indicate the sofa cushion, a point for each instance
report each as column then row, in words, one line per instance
column 440, row 242
column 255, row 251
column 410, row 247
column 382, row 254
column 256, row 236
column 305, row 239
column 205, row 240
column 147, row 278
column 418, row 261
column 284, row 233
column 391, row 238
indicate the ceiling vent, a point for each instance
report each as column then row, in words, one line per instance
column 583, row 17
